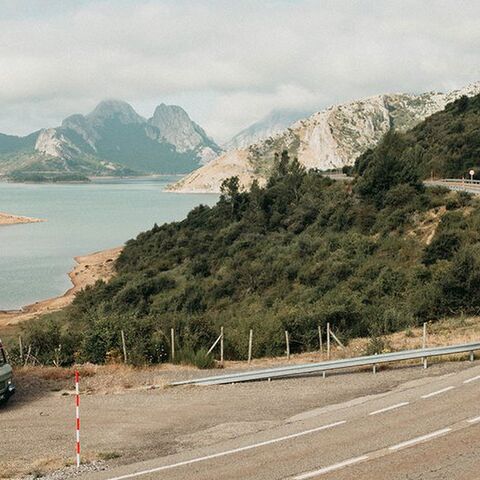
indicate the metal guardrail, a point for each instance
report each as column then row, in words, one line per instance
column 466, row 181
column 312, row 368
column 471, row 186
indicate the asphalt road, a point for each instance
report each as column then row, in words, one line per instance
column 428, row 429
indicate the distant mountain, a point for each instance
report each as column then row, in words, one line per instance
column 111, row 140
column 329, row 139
column 273, row 123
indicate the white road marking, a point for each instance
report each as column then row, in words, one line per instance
column 387, row 409
column 438, row 392
column 331, row 468
column 474, row 420
column 472, row 379
column 229, row 452
column 423, row 438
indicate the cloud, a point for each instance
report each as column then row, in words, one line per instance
column 228, row 62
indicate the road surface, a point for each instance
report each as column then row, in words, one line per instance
column 429, row 429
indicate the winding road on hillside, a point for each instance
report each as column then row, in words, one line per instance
column 421, row 430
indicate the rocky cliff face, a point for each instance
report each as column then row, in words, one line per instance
column 113, row 137
column 176, row 127
column 328, row 139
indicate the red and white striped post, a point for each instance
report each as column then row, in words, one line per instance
column 77, row 414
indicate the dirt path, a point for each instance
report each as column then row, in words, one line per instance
column 90, row 268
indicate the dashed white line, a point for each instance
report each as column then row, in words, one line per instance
column 423, row 438
column 474, row 420
column 438, row 392
column 387, row 409
column 228, row 452
column 472, row 379
column 331, row 468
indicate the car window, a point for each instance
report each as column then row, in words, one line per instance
column 3, row 360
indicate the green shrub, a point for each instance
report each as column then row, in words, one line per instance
column 199, row 358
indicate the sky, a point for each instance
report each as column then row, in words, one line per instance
column 227, row 62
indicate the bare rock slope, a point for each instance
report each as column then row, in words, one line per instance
column 328, row 139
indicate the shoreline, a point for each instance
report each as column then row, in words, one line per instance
column 10, row 219
column 89, row 268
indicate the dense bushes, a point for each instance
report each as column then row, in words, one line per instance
column 299, row 253
column 445, row 145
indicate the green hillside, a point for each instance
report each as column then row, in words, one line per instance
column 302, row 251
column 371, row 257
column 445, row 145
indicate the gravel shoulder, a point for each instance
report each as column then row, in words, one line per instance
column 130, row 415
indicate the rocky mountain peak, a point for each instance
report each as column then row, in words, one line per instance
column 114, row 109
column 177, row 128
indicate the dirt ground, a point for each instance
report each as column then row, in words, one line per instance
column 133, row 414
column 89, row 269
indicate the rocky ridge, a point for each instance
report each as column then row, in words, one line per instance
column 329, row 139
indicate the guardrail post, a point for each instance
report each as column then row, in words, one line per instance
column 472, row 356
column 425, row 363
column 375, row 367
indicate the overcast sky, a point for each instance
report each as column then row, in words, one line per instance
column 227, row 62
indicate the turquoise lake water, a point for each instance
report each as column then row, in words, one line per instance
column 35, row 258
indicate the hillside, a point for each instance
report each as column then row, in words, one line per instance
column 382, row 255
column 111, row 140
column 329, row 139
column 445, row 145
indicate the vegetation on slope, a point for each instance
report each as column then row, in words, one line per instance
column 372, row 257
column 445, row 145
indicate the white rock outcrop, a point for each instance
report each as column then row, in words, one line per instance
column 328, row 139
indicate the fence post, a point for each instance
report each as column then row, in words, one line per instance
column 77, row 415
column 287, row 341
column 424, row 343
column 250, row 344
column 221, row 345
column 20, row 346
column 124, row 347
column 172, row 344
column 328, row 340
column 320, row 340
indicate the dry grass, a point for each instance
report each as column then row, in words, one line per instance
column 444, row 332
column 103, row 379
column 117, row 378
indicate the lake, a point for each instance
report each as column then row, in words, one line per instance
column 35, row 258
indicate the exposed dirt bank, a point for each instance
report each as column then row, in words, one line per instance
column 90, row 268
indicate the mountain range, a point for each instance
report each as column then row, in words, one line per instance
column 327, row 140
column 111, row 140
